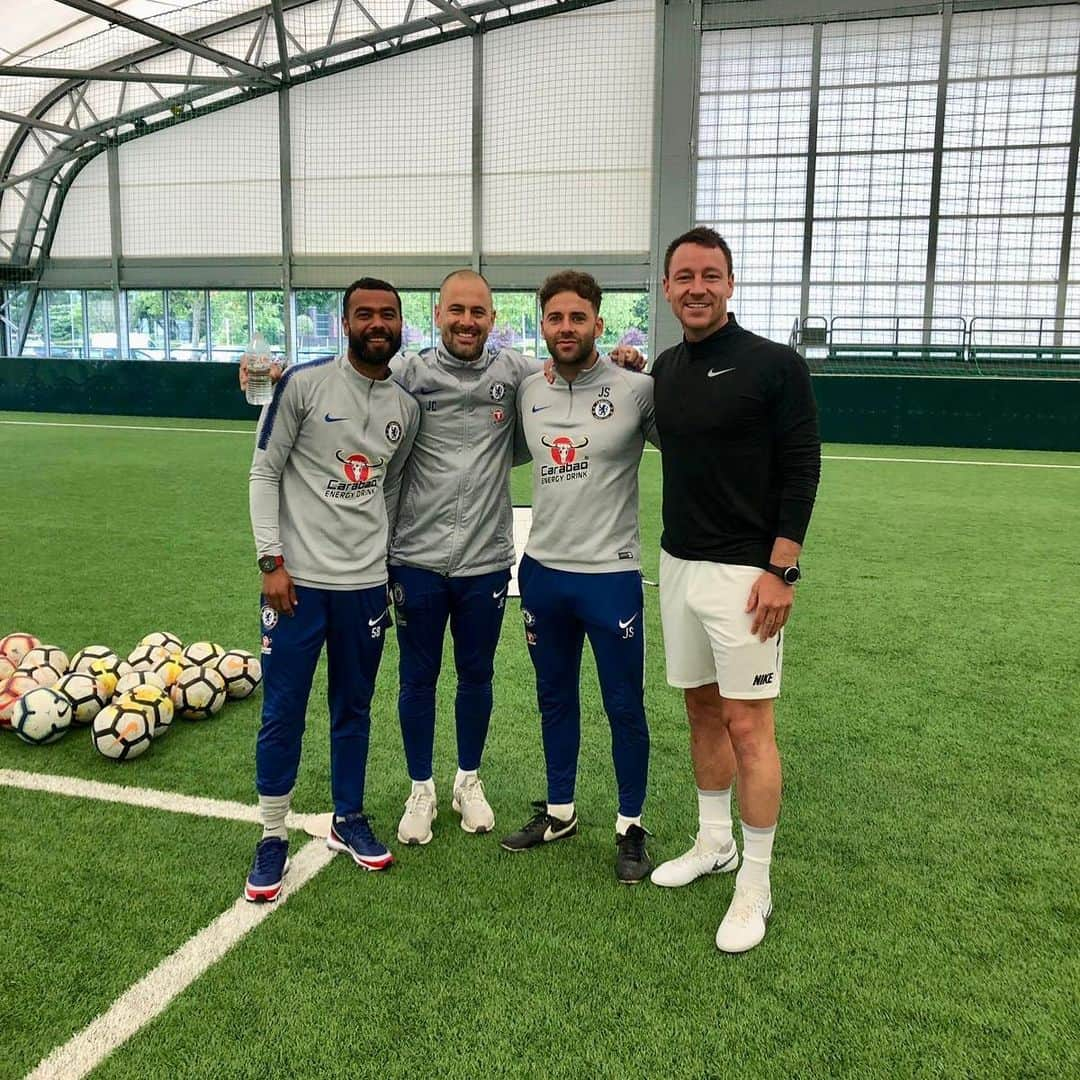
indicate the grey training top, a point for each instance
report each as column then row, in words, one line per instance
column 455, row 516
column 586, row 439
column 325, row 477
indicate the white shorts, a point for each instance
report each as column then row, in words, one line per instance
column 707, row 630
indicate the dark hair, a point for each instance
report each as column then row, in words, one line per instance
column 585, row 285
column 703, row 236
column 368, row 283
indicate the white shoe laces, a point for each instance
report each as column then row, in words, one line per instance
column 421, row 803
column 471, row 791
column 746, row 905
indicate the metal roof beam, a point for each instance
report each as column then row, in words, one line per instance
column 453, row 9
column 104, row 75
column 45, row 125
column 167, row 37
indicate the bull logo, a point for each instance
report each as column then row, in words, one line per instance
column 564, row 449
column 358, row 467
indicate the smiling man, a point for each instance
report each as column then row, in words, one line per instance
column 741, row 462
column 581, row 573
column 324, row 489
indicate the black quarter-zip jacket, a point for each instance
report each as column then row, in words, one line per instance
column 741, row 451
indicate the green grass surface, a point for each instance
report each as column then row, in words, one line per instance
column 926, row 866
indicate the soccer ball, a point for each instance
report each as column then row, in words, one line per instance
column 6, row 667
column 241, row 671
column 108, row 670
column 42, row 674
column 11, row 689
column 43, row 656
column 155, row 703
column 168, row 670
column 85, row 694
column 144, row 657
column 202, row 652
column 121, row 731
column 198, row 693
column 164, row 640
column 126, row 683
column 16, row 646
column 41, row 716
column 82, row 660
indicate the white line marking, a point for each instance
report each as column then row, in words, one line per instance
column 130, row 427
column 139, row 1004
column 932, row 461
column 148, row 797
column 648, row 449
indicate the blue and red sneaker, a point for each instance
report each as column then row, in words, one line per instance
column 352, row 834
column 267, row 870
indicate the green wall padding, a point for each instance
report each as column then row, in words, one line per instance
column 1022, row 414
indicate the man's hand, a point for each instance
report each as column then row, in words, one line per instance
column 279, row 591
column 626, row 356
column 770, row 601
column 275, row 371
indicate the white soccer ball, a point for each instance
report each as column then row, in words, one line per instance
column 121, row 731
column 198, row 693
column 50, row 656
column 169, row 669
column 82, row 660
column 144, row 657
column 16, row 646
column 41, row 716
column 85, row 694
column 163, row 639
column 241, row 671
column 11, row 689
column 202, row 652
column 42, row 674
column 155, row 703
column 126, row 683
column 109, row 670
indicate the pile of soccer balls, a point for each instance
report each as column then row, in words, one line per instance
column 127, row 703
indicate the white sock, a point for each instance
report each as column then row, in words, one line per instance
column 272, row 812
column 757, row 855
column 461, row 776
column 624, row 823
column 562, row 811
column 714, row 818
column 427, row 785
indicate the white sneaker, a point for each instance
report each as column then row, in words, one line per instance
column 697, row 862
column 415, row 824
column 743, row 926
column 469, row 801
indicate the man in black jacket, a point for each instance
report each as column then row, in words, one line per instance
column 741, row 459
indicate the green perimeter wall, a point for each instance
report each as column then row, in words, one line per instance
column 1030, row 414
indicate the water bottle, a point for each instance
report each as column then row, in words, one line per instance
column 259, row 387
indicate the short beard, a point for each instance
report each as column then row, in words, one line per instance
column 478, row 351
column 576, row 359
column 363, row 353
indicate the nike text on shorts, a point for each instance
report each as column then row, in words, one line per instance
column 707, row 634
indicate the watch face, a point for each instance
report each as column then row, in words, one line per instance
column 792, row 574
column 268, row 564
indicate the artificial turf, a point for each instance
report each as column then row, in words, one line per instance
column 926, row 867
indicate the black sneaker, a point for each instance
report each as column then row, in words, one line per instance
column 541, row 828
column 632, row 862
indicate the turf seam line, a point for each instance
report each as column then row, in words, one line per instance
column 150, row 798
column 648, row 449
column 148, row 997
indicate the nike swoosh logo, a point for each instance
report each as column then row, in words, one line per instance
column 334, row 419
column 375, row 622
column 624, row 625
column 540, row 408
column 713, row 374
column 554, row 834
column 498, row 595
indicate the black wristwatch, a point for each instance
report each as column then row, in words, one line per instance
column 269, row 563
column 789, row 575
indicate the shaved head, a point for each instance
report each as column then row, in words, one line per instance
column 464, row 275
